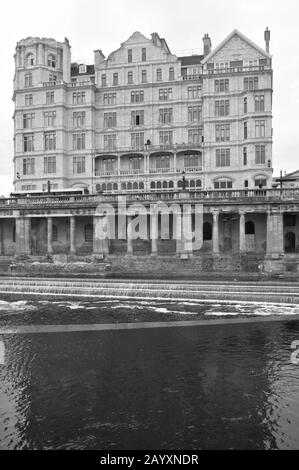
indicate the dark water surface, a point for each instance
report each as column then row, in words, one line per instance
column 208, row 387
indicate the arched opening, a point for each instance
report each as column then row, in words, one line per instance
column 192, row 184
column 171, row 185
column 115, row 187
column 153, row 185
column 249, row 228
column 123, row 186
column 207, row 231
column 198, row 183
column 159, row 185
column 109, row 187
column 104, row 187
column 29, row 60
column 129, row 186
column 135, row 186
column 290, row 242
column 88, row 233
column 98, row 187
column 164, row 184
column 141, row 185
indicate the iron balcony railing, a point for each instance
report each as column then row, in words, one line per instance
column 151, row 148
column 142, row 171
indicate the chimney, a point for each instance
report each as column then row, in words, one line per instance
column 267, row 40
column 207, row 45
column 98, row 57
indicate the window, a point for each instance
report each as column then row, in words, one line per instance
column 50, row 140
column 54, row 233
column 28, row 143
column 79, row 141
column 165, row 137
column 82, row 68
column 88, row 233
column 222, row 108
column 259, row 128
column 137, row 96
column 249, row 228
column 222, row 132
column 130, row 55
column 109, row 165
column 245, row 105
column 137, row 118
column 171, row 73
column 165, row 94
column 29, row 62
column 221, row 65
column 137, row 140
column 78, row 165
column 194, row 92
column 28, row 120
column 195, row 135
column 109, row 120
column 159, row 75
column 110, row 141
column 52, row 186
column 49, row 164
column 109, row 98
column 244, row 156
column 130, row 78
column 79, row 118
column 221, row 85
column 251, row 83
column 192, row 160
column 49, row 118
column 79, row 97
column 143, row 76
column 245, row 130
column 143, row 54
column 259, row 103
column 28, row 100
column 53, row 78
column 28, row 166
column 51, row 61
column 162, row 162
column 223, row 184
column 245, row 183
column 222, row 157
column 28, row 187
column 207, row 231
column 50, row 97
column 290, row 220
column 260, row 154
column 28, row 80
column 165, row 115
column 135, row 163
column 115, row 79
column 260, row 182
column 103, row 80
column 194, row 113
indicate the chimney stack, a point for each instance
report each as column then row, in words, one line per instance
column 207, row 45
column 267, row 40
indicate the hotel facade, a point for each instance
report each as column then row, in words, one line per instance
column 150, row 128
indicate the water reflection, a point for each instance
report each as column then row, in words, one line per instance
column 212, row 387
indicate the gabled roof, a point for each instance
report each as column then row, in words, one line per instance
column 236, row 32
column 293, row 174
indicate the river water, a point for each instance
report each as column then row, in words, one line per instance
column 224, row 386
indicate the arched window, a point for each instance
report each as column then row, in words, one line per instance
column 153, row 185
column 54, row 233
column 115, row 187
column 88, row 233
column 260, row 182
column 104, row 187
column 129, row 186
column 135, row 185
column 159, row 185
column 29, row 62
column 109, row 187
column 249, row 228
column 123, row 186
column 164, row 184
column 98, row 187
column 51, row 61
column 207, row 231
column 171, row 185
column 192, row 184
column 180, row 184
column 223, row 184
column 141, row 185
column 198, row 183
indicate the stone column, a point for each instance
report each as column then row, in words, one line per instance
column 174, row 161
column 242, row 245
column 22, row 236
column 179, row 240
column 129, row 236
column 98, row 241
column 154, row 234
column 216, row 232
column 50, row 234
column 275, row 243
column 73, row 235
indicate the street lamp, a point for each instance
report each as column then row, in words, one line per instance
column 184, row 181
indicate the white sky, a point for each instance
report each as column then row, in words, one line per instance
column 103, row 24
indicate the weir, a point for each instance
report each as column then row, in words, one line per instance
column 245, row 292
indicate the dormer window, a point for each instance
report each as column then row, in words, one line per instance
column 51, row 61
column 29, row 60
column 82, row 68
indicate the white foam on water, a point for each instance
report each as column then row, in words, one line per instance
column 2, row 353
column 19, row 306
column 263, row 311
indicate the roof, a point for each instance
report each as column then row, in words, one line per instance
column 75, row 70
column 191, row 59
column 228, row 38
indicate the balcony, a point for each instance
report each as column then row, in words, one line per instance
column 151, row 148
column 152, row 171
column 231, row 70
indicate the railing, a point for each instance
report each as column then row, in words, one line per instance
column 191, row 77
column 152, row 171
column 254, row 68
column 52, row 83
column 151, row 148
column 246, row 195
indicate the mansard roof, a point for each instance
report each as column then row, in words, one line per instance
column 191, row 60
column 236, row 32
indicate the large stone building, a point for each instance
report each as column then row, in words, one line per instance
column 148, row 127
column 139, row 118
